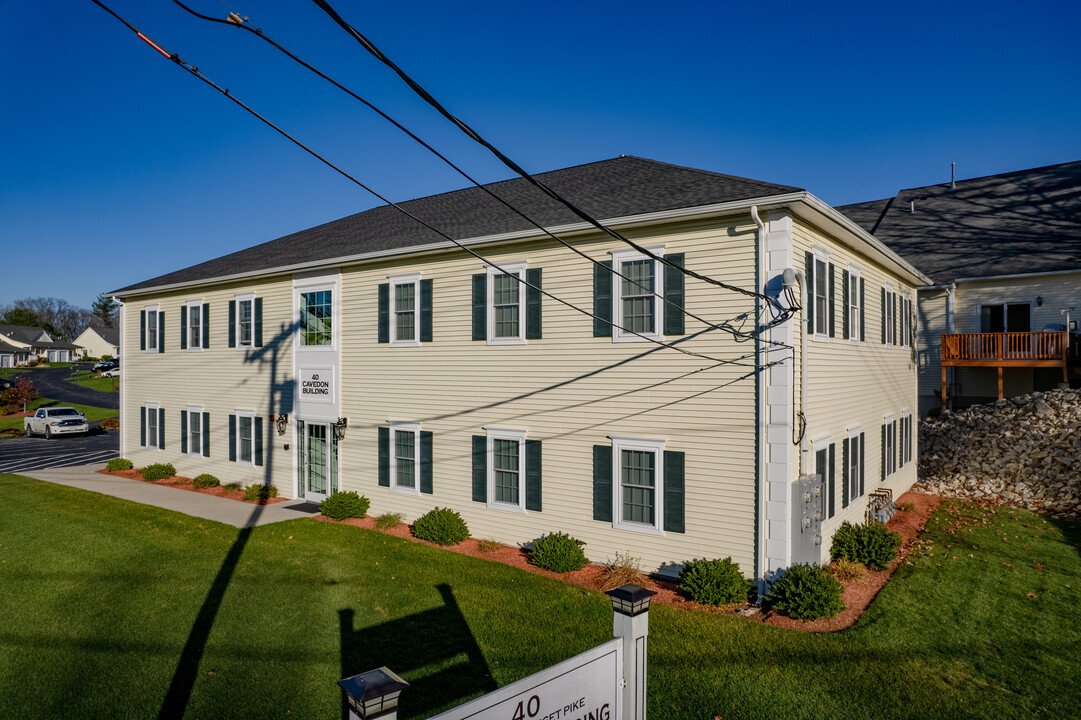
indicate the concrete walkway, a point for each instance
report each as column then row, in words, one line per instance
column 209, row 507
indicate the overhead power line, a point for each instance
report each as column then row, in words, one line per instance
column 234, row 19
column 191, row 69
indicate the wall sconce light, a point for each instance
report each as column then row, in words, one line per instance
column 282, row 420
column 1039, row 301
column 339, row 428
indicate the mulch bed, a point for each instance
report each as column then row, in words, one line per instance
column 857, row 596
column 184, row 483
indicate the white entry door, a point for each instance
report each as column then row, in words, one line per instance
column 317, row 451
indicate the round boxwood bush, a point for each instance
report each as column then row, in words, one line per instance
column 159, row 471
column 442, row 526
column 205, row 481
column 714, row 582
column 119, row 464
column 558, row 552
column 342, row 505
column 257, row 491
column 806, row 592
column 872, row 544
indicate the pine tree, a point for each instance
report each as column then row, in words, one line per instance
column 104, row 308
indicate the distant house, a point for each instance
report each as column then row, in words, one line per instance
column 35, row 343
column 1004, row 252
column 98, row 342
column 13, row 355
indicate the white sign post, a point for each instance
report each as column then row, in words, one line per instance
column 605, row 683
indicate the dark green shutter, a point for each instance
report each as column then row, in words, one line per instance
column 183, row 432
column 426, row 462
column 206, row 325
column 863, row 457
column 259, row 441
column 883, row 316
column 832, row 480
column 480, row 468
column 206, row 434
column 232, row 323
column 833, row 301
column 673, row 295
column 232, row 438
column 863, row 314
column 161, row 428
column 896, row 312
column 142, row 329
column 161, row 331
column 142, row 426
column 602, row 483
column 425, row 311
column 533, row 304
column 384, row 457
column 383, row 313
column 533, row 475
column 602, row 299
column 480, row 307
column 673, row 491
column 809, row 261
column 183, row 327
column 844, row 304
column 896, row 441
column 884, row 452
column 844, row 473
column 257, row 311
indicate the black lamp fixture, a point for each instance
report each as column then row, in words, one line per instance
column 630, row 600
column 339, row 428
column 281, row 420
column 373, row 694
column 1039, row 301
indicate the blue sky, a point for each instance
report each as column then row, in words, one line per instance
column 118, row 166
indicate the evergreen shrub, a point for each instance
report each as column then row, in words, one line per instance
column 714, row 582
column 258, row 491
column 442, row 526
column 558, row 552
column 119, row 464
column 205, row 481
column 872, row 544
column 342, row 505
column 806, row 592
column 158, row 471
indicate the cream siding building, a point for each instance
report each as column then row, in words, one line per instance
column 536, row 390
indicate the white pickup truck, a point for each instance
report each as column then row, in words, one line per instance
column 55, row 421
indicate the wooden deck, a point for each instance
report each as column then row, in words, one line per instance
column 1010, row 349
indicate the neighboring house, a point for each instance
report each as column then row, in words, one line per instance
column 370, row 354
column 38, row 344
column 98, row 342
column 1004, row 252
column 12, row 355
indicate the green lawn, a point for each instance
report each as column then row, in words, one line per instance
column 99, row 598
column 89, row 379
column 10, row 372
column 14, row 425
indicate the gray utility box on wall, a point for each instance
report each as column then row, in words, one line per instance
column 808, row 513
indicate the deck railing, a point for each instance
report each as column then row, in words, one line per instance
column 1009, row 346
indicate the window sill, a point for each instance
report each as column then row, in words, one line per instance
column 506, row 507
column 507, row 341
column 641, row 528
column 405, row 490
column 629, row 338
column 404, row 343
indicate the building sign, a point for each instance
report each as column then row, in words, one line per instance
column 586, row 687
column 317, row 385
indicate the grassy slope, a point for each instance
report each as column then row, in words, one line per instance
column 101, row 384
column 101, row 590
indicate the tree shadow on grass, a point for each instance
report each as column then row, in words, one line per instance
column 433, row 650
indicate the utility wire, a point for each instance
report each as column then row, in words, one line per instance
column 195, row 72
column 236, row 20
column 470, row 132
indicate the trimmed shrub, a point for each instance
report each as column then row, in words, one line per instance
column 442, row 526
column 158, row 471
column 257, row 491
column 388, row 520
column 205, row 481
column 872, row 544
column 558, row 552
column 231, row 487
column 118, row 464
column 714, row 582
column 806, row 592
column 342, row 505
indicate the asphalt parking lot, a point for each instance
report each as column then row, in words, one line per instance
column 22, row 454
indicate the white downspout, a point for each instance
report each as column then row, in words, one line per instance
column 763, row 417
column 804, row 443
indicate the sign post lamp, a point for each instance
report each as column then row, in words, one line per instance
column 630, row 622
column 373, row 694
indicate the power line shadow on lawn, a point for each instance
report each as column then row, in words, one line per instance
column 438, row 639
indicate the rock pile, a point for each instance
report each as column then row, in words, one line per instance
column 1023, row 451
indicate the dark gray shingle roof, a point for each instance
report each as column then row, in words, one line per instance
column 109, row 335
column 21, row 333
column 1027, row 221
column 610, row 188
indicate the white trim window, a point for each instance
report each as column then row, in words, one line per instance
column 506, row 469
column 196, row 431
column 906, row 320
column 316, row 316
column 637, row 296
column 153, row 427
column 506, row 304
column 855, row 308
column 855, row 464
column 404, row 310
column 245, row 320
column 637, row 487
column 152, row 328
column 889, row 446
column 245, row 437
column 821, row 298
column 195, row 325
column 889, row 322
column 405, row 457
column 904, row 431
